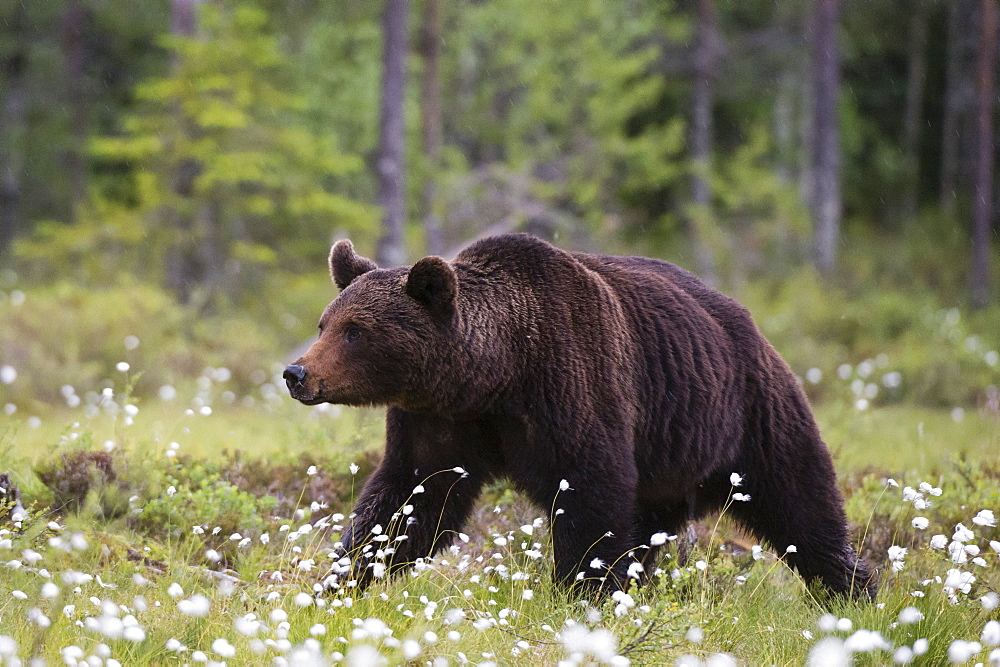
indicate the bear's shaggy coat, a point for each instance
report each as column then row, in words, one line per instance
column 626, row 377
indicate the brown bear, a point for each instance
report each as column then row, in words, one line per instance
column 618, row 393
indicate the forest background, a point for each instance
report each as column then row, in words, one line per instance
column 173, row 172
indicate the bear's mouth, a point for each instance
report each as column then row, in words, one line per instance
column 309, row 400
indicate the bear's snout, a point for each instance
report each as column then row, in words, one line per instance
column 295, row 376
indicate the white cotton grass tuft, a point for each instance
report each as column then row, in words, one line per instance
column 197, row 606
column 580, row 642
column 991, row 633
column 985, row 518
column 829, row 652
column 223, row 647
column 897, row 555
column 910, row 615
column 962, row 651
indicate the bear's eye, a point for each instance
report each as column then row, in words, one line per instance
column 351, row 334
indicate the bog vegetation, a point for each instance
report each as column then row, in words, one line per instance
column 172, row 175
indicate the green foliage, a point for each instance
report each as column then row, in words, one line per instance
column 941, row 360
column 67, row 334
column 202, row 498
column 225, row 119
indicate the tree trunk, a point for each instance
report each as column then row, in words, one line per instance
column 75, row 57
column 392, row 136
column 982, row 194
column 431, row 122
column 826, row 203
column 705, row 49
column 913, row 113
column 183, row 267
column 13, row 107
column 956, row 102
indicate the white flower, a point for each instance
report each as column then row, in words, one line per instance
column 995, row 545
column 695, row 635
column 134, row 633
column 223, row 648
column 828, row 652
column 939, row 542
column 7, row 375
column 910, row 615
column 896, row 556
column 791, row 548
column 902, row 655
column 197, row 605
column 962, row 534
column 596, row 564
column 961, row 651
column 658, row 538
column 635, row 570
column 757, row 551
column 354, row 468
column 175, row 590
column 741, row 497
column 419, row 488
column 864, row 641
column 248, row 625
column 411, row 649
column 985, row 518
column 957, row 580
column 736, row 479
column 122, row 366
column 990, row 601
column 920, row 523
column 991, row 633
column 563, row 485
column 311, row 470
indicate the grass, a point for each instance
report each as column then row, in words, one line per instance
column 469, row 604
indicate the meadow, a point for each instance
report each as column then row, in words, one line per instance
column 194, row 523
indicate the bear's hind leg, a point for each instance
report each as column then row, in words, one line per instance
column 808, row 528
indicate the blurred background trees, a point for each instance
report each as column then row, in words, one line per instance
column 212, row 146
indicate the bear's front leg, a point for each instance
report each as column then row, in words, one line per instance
column 593, row 538
column 592, row 505
column 410, row 507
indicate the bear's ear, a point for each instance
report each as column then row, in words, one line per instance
column 433, row 283
column 346, row 265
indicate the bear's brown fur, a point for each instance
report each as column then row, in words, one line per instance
column 626, row 377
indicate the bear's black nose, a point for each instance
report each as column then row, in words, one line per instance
column 294, row 375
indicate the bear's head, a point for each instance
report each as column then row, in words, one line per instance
column 385, row 339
